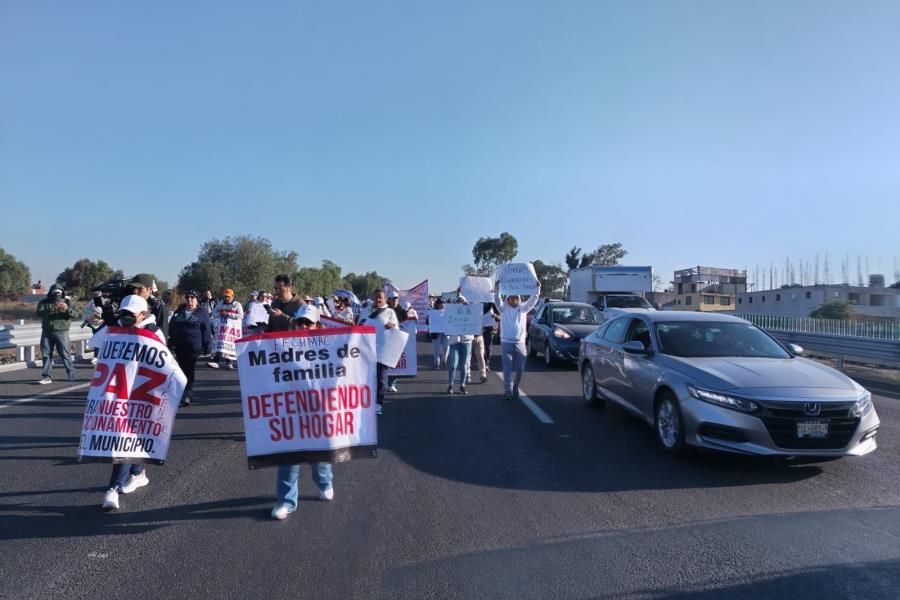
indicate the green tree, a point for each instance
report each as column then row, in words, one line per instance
column 838, row 309
column 573, row 257
column 85, row 274
column 319, row 282
column 364, row 284
column 242, row 263
column 605, row 254
column 489, row 252
column 15, row 278
column 552, row 278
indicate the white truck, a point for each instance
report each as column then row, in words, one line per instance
column 611, row 289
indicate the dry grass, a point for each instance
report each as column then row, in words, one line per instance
column 11, row 312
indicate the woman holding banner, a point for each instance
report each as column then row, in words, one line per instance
column 388, row 318
column 458, row 360
column 286, row 491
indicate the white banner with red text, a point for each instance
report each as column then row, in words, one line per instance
column 309, row 395
column 132, row 401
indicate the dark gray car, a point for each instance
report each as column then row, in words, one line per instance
column 716, row 381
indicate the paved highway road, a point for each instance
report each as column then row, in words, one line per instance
column 470, row 497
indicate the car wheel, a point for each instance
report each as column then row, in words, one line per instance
column 589, row 387
column 548, row 356
column 669, row 425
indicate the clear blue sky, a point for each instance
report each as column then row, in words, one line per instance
column 391, row 135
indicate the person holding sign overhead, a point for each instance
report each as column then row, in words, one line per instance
column 286, row 491
column 513, row 327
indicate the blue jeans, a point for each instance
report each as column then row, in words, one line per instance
column 60, row 341
column 513, row 356
column 289, row 475
column 459, row 357
column 120, row 474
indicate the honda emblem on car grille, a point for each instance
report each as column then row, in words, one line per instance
column 812, row 409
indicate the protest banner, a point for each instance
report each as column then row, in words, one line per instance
column 436, row 321
column 332, row 323
column 517, row 279
column 407, row 365
column 476, row 289
column 227, row 332
column 133, row 398
column 463, row 319
column 308, row 395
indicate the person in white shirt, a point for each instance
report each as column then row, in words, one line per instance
column 458, row 358
column 388, row 318
column 513, row 328
column 255, row 316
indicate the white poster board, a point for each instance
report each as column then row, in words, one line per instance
column 463, row 319
column 308, row 395
column 407, row 366
column 477, row 289
column 436, row 322
column 133, row 399
column 517, row 279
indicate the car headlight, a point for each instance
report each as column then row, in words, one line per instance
column 561, row 333
column 733, row 402
column 863, row 404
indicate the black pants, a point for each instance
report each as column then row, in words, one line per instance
column 382, row 374
column 488, row 334
column 187, row 360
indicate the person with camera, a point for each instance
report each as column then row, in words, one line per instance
column 56, row 313
column 285, row 304
column 190, row 336
column 143, row 285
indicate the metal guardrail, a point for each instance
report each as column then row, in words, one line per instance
column 26, row 338
column 880, row 330
column 857, row 349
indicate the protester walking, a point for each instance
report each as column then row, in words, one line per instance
column 284, row 304
column 513, row 328
column 56, row 313
column 286, row 487
column 228, row 314
column 126, row 477
column 255, row 316
column 458, row 359
column 388, row 319
column 190, row 335
column 439, row 346
column 208, row 302
column 488, row 322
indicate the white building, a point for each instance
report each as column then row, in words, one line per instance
column 873, row 302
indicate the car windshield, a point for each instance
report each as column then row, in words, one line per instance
column 576, row 315
column 697, row 339
column 626, row 302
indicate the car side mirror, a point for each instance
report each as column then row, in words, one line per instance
column 634, row 347
column 795, row 349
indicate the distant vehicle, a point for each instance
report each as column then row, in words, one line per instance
column 715, row 381
column 587, row 284
column 612, row 305
column 557, row 329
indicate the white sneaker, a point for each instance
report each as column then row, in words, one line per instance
column 111, row 500
column 327, row 494
column 44, row 380
column 393, row 388
column 281, row 511
column 134, row 482
column 378, row 409
column 212, row 365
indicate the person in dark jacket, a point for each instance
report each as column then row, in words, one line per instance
column 56, row 313
column 190, row 336
column 143, row 285
column 285, row 304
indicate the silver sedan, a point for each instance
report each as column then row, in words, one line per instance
column 716, row 381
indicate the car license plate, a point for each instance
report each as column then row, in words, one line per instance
column 812, row 429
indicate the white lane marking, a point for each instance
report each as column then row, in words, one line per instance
column 53, row 393
column 536, row 410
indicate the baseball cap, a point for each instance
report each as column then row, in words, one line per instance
column 461, row 299
column 142, row 280
column 308, row 312
column 392, row 293
column 406, row 305
column 228, row 293
column 254, row 293
column 134, row 304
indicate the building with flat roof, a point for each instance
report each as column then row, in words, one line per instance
column 874, row 302
column 707, row 289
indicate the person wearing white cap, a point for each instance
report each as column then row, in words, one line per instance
column 286, row 489
column 319, row 302
column 458, row 359
column 388, row 319
column 126, row 478
column 255, row 316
